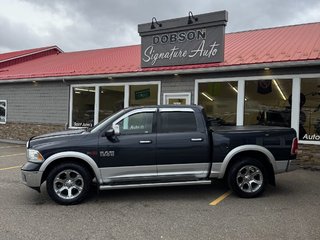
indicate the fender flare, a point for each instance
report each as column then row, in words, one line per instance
column 72, row 154
column 245, row 148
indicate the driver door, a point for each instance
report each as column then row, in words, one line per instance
column 130, row 157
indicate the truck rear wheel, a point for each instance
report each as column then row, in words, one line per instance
column 68, row 183
column 247, row 178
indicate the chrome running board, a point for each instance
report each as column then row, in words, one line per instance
column 145, row 185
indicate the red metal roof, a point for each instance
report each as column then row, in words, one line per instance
column 17, row 54
column 280, row 44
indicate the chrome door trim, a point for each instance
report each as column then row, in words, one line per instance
column 163, row 184
column 111, row 174
column 197, row 170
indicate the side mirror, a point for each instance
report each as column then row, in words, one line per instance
column 114, row 131
column 109, row 132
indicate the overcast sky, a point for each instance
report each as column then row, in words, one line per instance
column 75, row 25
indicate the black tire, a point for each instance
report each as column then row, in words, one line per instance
column 68, row 183
column 247, row 178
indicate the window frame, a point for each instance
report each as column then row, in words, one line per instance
column 5, row 111
column 166, row 110
column 177, row 95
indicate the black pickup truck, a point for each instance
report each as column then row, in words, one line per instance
column 157, row 146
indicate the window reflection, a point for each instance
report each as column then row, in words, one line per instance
column 268, row 102
column 141, row 95
column 83, row 106
column 3, row 111
column 219, row 100
column 309, row 126
column 111, row 100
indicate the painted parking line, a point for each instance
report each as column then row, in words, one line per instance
column 8, row 168
column 220, row 199
column 5, row 147
column 11, row 155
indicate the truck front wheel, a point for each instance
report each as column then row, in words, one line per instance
column 68, row 183
column 247, row 178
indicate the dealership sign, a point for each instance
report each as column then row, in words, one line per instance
column 181, row 41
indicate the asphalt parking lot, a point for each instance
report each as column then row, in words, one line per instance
column 288, row 211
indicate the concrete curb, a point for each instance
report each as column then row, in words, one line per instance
column 13, row 141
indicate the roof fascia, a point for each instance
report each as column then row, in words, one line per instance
column 171, row 72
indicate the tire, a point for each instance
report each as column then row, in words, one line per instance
column 68, row 183
column 248, row 178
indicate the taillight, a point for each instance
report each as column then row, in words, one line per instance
column 294, row 146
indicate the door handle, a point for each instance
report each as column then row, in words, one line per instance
column 196, row 139
column 145, row 141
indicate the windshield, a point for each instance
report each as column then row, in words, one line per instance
column 107, row 121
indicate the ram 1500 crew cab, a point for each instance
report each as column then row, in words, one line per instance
column 157, row 146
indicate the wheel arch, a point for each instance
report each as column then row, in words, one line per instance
column 259, row 153
column 75, row 157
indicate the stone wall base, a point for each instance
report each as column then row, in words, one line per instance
column 309, row 156
column 23, row 131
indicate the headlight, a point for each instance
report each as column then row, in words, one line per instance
column 34, row 156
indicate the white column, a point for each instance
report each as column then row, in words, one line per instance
column 295, row 109
column 70, row 106
column 196, row 92
column 126, row 95
column 240, row 102
column 96, row 105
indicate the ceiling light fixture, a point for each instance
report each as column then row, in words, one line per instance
column 236, row 90
column 279, row 89
column 207, row 96
column 84, row 90
column 233, row 88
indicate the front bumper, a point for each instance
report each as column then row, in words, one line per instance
column 31, row 178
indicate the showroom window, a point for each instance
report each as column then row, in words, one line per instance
column 111, row 100
column 268, row 102
column 219, row 100
column 83, row 106
column 3, row 111
column 92, row 103
column 142, row 95
column 309, row 121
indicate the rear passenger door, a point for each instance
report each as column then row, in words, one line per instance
column 182, row 150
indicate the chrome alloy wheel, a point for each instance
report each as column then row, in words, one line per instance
column 68, row 184
column 249, row 178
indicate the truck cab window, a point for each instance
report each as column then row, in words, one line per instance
column 177, row 122
column 139, row 123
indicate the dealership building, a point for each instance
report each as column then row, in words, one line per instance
column 264, row 76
